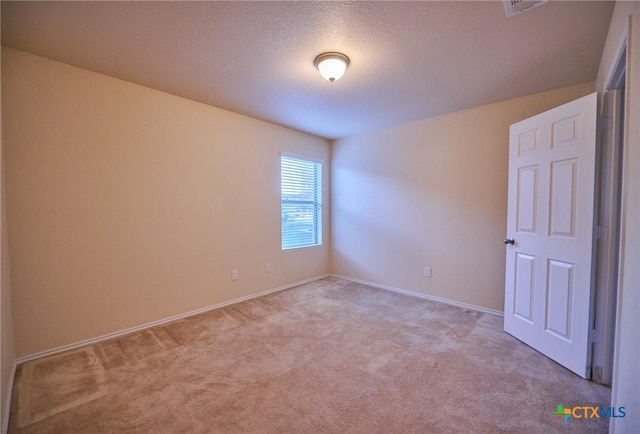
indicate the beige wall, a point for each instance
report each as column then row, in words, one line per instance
column 127, row 205
column 7, row 353
column 431, row 193
column 626, row 374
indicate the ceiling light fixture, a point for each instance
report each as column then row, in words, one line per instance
column 331, row 65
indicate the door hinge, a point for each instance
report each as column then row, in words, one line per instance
column 601, row 232
column 595, row 336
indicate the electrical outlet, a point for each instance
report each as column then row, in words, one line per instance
column 427, row 271
column 268, row 268
column 234, row 274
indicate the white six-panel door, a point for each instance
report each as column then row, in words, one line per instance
column 550, row 225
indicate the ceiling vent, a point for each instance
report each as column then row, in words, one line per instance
column 516, row 7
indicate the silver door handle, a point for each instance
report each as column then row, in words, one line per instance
column 509, row 241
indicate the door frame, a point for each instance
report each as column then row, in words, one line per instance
column 607, row 254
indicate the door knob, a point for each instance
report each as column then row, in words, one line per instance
column 509, row 241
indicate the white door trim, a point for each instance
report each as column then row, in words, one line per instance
column 607, row 244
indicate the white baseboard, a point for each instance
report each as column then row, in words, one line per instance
column 161, row 321
column 6, row 411
column 239, row 300
column 424, row 296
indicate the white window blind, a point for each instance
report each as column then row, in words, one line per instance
column 301, row 191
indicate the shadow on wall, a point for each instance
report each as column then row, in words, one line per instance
column 391, row 220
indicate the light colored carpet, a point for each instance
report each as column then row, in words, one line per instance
column 330, row 356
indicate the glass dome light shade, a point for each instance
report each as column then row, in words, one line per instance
column 332, row 66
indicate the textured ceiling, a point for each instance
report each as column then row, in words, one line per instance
column 409, row 60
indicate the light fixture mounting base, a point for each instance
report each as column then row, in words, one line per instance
column 331, row 55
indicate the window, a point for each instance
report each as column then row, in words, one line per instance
column 301, row 190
